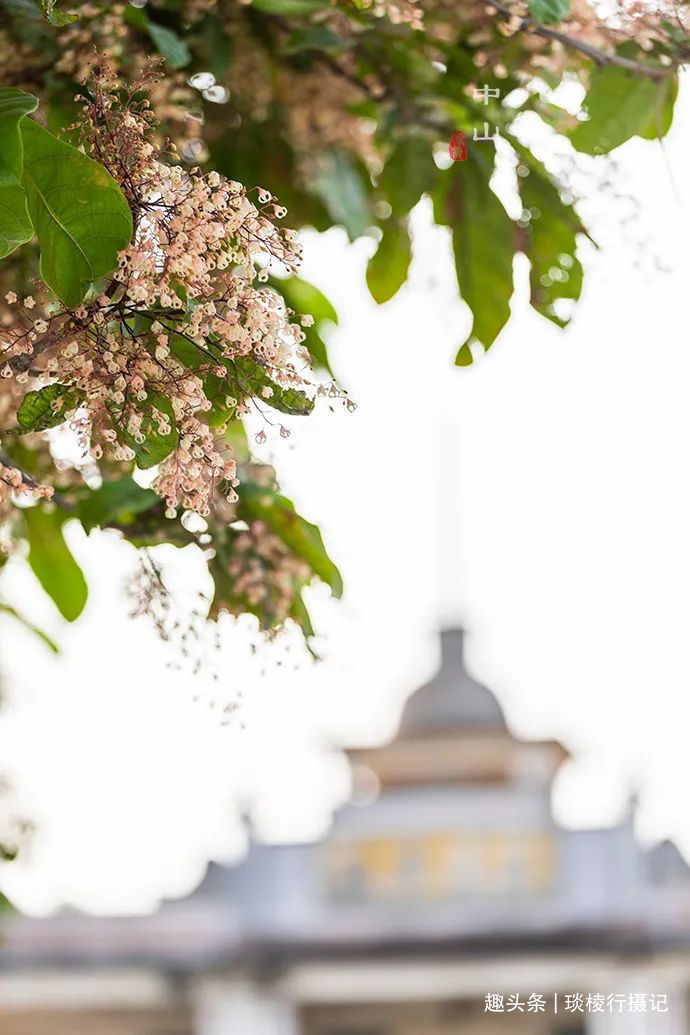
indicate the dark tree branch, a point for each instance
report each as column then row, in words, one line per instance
column 600, row 57
column 134, row 529
column 7, row 461
column 20, row 364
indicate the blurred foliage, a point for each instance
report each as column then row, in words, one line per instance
column 338, row 108
column 343, row 110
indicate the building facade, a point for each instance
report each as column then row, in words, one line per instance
column 444, row 900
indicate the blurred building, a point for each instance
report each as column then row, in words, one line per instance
column 444, row 882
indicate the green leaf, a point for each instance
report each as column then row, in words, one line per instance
column 290, row 8
column 185, row 351
column 464, row 357
column 38, row 410
column 550, row 241
column 116, row 501
column 301, row 616
column 667, row 92
column 13, row 613
column 342, row 187
column 240, row 153
column 622, row 105
column 169, row 44
column 246, row 379
column 236, row 437
column 52, row 562
column 303, row 297
column 302, row 537
column 409, row 172
column 388, row 266
column 314, row 37
column 81, row 216
column 251, row 378
column 55, row 17
column 15, row 225
column 22, row 8
column 217, row 391
column 483, row 246
column 217, row 46
column 549, row 10
column 155, row 447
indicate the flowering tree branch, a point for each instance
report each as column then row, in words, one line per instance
column 600, row 57
column 31, row 483
column 169, row 318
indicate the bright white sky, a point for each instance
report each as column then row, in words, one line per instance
column 541, row 497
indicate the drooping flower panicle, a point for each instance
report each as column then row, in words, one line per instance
column 139, row 360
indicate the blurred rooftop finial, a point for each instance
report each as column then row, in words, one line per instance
column 452, row 698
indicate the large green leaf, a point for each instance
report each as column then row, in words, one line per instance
column 155, row 447
column 408, row 173
column 218, row 391
column 388, row 266
column 236, row 437
column 170, row 45
column 38, row 410
column 341, row 185
column 483, row 246
column 549, row 10
column 667, row 91
column 216, row 46
column 252, row 379
column 622, row 105
column 550, row 241
column 52, row 562
column 240, row 153
column 81, row 216
column 290, row 8
column 303, row 297
column 22, row 8
column 15, row 225
column 315, row 37
column 117, row 501
column 301, row 616
column 246, row 379
column 302, row 537
column 166, row 41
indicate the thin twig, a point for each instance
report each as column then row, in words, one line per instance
column 20, row 364
column 350, row 77
column 7, row 461
column 330, row 62
column 132, row 529
column 600, row 57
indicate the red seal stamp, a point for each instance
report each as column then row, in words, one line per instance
column 457, row 147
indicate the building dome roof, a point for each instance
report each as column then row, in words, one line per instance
column 452, row 698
